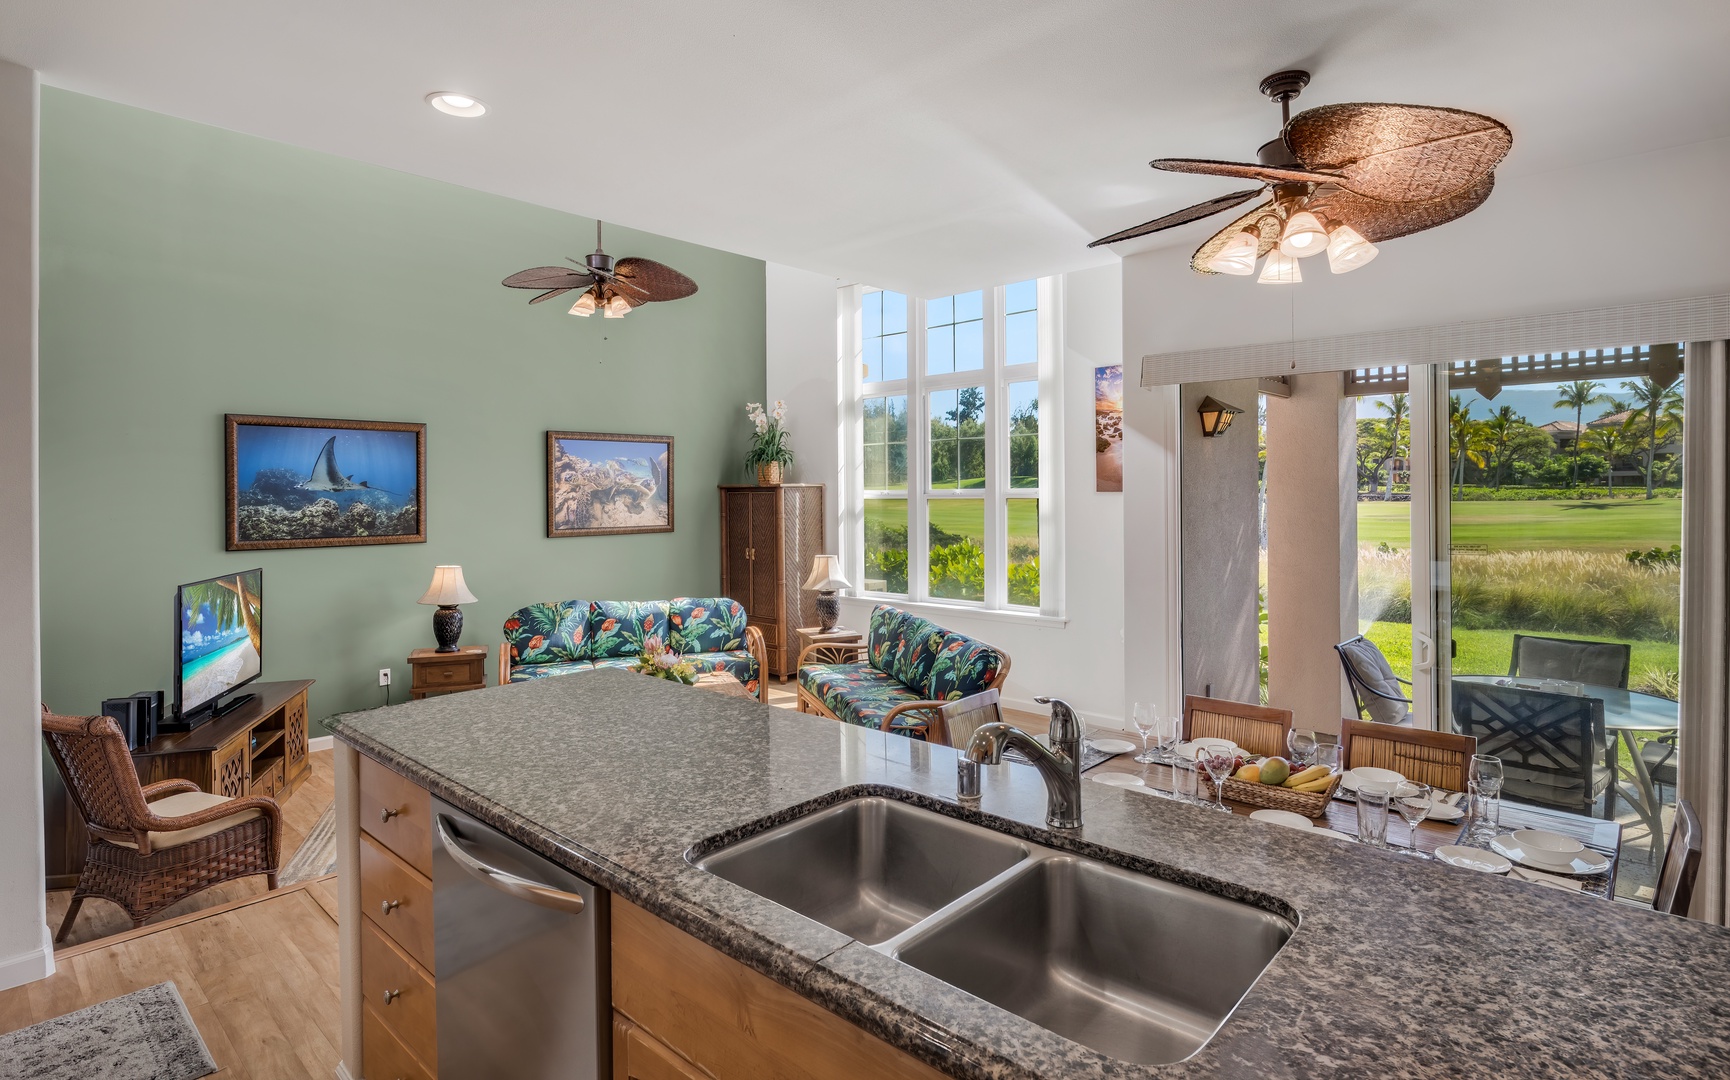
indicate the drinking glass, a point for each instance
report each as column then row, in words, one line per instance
column 1184, row 783
column 1302, row 744
column 1218, row 766
column 1485, row 785
column 1413, row 801
column 1328, row 754
column 1373, row 799
column 1146, row 719
column 1165, row 733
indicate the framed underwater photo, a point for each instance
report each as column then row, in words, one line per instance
column 600, row 485
column 296, row 482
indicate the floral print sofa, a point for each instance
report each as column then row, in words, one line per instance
column 910, row 667
column 572, row 636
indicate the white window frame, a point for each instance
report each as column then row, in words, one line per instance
column 995, row 378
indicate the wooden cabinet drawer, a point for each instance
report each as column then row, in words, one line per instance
column 397, row 900
column 399, row 989
column 397, row 813
column 268, row 778
column 639, row 1056
column 383, row 1056
column 465, row 672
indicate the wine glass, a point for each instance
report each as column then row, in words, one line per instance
column 1302, row 744
column 1485, row 784
column 1219, row 767
column 1413, row 801
column 1146, row 719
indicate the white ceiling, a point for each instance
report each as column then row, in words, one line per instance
column 922, row 145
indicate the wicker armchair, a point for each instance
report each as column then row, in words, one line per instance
column 153, row 846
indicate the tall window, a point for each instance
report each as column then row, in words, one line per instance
column 947, row 429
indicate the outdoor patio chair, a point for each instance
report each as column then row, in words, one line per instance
column 1659, row 756
column 1600, row 663
column 1681, row 863
column 1440, row 759
column 1551, row 745
column 1256, row 728
column 1375, row 687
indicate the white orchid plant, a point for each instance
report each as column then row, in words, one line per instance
column 769, row 445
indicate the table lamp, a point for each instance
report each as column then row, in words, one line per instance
column 826, row 579
column 447, row 591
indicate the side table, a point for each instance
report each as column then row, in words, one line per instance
column 812, row 635
column 434, row 672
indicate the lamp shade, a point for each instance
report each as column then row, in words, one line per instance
column 1347, row 250
column 1279, row 269
column 585, row 305
column 447, row 588
column 1238, row 255
column 826, row 575
column 1303, row 236
column 615, row 308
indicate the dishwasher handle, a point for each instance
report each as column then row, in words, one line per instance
column 520, row 887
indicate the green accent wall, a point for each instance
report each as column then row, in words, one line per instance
column 189, row 272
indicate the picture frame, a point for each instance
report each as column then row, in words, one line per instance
column 601, row 484
column 1108, row 428
column 308, row 482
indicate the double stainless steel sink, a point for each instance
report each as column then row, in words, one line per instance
column 1140, row 969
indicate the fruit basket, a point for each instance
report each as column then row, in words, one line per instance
column 1311, row 804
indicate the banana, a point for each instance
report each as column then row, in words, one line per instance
column 1309, row 775
column 1315, row 785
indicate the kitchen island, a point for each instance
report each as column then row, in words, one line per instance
column 1397, row 968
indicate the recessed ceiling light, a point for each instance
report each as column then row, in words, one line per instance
column 454, row 104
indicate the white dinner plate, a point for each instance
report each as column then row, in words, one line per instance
column 1283, row 817
column 1583, row 863
column 1118, row 779
column 1349, row 779
column 1444, row 812
column 1113, row 746
column 1471, row 858
column 1186, row 751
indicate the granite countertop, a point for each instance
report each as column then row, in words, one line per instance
column 1397, row 968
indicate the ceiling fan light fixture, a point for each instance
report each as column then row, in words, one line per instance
column 616, row 308
column 1239, row 254
column 1279, row 269
column 1347, row 250
column 1303, row 236
column 585, row 305
column 452, row 103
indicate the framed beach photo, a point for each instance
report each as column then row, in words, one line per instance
column 599, row 485
column 296, row 482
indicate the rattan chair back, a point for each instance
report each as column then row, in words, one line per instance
column 1256, row 728
column 92, row 755
column 1440, row 759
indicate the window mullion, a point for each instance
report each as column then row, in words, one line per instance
column 918, row 455
column 996, row 455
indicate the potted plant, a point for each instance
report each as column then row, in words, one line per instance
column 769, row 450
column 661, row 661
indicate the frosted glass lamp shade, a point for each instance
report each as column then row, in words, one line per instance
column 1347, row 250
column 585, row 305
column 1280, row 269
column 826, row 575
column 1239, row 254
column 447, row 588
column 616, row 308
column 1303, row 236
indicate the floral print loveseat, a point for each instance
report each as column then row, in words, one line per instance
column 572, row 636
column 910, row 666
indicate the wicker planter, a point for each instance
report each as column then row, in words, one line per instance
column 769, row 474
column 1311, row 804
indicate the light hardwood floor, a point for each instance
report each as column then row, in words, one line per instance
column 300, row 812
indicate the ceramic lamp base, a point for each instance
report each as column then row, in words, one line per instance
column 448, row 627
column 828, row 611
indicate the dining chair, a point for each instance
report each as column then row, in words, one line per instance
column 1681, row 863
column 1375, row 687
column 151, row 847
column 1256, row 728
column 1440, row 759
column 957, row 720
column 1659, row 756
column 1551, row 745
column 1601, row 663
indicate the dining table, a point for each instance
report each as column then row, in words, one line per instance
column 1627, row 713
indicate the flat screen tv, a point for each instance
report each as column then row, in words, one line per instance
column 219, row 624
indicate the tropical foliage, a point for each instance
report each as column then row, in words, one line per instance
column 769, row 443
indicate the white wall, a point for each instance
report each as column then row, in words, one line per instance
column 1078, row 658
column 25, row 953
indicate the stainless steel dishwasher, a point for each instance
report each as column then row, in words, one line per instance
column 521, row 948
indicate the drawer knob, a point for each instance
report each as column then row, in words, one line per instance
column 386, row 813
column 391, row 995
column 385, row 907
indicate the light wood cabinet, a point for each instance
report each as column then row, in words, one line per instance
column 637, row 1055
column 769, row 538
column 397, row 985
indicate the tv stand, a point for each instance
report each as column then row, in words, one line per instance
column 255, row 744
column 223, row 708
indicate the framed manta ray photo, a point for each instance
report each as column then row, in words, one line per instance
column 600, row 485
column 296, row 482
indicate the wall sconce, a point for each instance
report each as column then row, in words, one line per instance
column 1216, row 416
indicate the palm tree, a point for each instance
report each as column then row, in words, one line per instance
column 1656, row 402
column 1501, row 429
column 1395, row 407
column 1615, row 442
column 1576, row 396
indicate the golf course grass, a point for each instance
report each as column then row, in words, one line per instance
column 1597, row 525
column 963, row 517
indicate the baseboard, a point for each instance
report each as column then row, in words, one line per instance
column 30, row 966
column 322, row 742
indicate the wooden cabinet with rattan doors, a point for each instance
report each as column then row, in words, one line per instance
column 769, row 538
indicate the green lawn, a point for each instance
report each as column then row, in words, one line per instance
column 1599, row 525
column 1486, row 652
column 963, row 517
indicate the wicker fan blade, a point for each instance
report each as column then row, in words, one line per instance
column 1181, row 217
column 1377, row 220
column 1399, row 153
column 1262, row 218
column 651, row 280
column 548, row 295
column 1267, row 174
column 548, row 277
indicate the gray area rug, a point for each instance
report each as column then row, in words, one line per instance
column 146, row 1035
column 316, row 856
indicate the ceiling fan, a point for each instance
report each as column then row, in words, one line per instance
column 612, row 287
column 1340, row 177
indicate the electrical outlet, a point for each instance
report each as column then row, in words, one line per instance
column 384, row 676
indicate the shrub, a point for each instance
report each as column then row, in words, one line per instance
column 1654, row 557
column 1664, row 682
